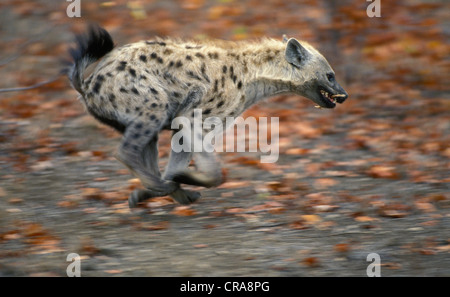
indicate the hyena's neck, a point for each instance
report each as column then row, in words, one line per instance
column 263, row 66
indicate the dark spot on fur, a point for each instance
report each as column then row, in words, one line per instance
column 216, row 85
column 127, row 110
column 160, row 60
column 153, row 55
column 207, row 111
column 167, row 51
column 136, row 135
column 155, row 92
column 224, row 69
column 242, row 100
column 220, row 104
column 189, row 58
column 143, row 58
column 203, row 70
column 121, row 66
column 171, row 63
column 152, row 117
column 123, row 90
column 132, row 72
column 137, row 108
column 211, row 100
column 176, row 94
column 193, row 75
column 154, row 105
column 239, row 85
column 97, row 87
column 178, row 64
column 213, row 55
column 143, row 77
column 134, row 90
column 223, row 81
column 200, row 55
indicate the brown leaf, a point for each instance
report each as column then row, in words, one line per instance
column 311, row 262
column 341, row 247
column 183, row 211
column 153, row 227
column 382, row 171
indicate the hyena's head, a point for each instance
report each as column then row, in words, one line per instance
column 311, row 75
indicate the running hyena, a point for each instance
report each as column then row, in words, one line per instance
column 141, row 87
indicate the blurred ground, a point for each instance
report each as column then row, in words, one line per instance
column 371, row 176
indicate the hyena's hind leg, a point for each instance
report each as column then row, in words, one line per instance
column 177, row 161
column 138, row 151
column 150, row 161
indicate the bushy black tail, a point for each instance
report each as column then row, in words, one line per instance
column 90, row 47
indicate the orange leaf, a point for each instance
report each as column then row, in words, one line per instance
column 183, row 211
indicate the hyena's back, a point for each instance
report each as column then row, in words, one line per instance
column 128, row 86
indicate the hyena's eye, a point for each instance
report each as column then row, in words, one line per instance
column 330, row 77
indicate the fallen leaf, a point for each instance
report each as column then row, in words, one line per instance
column 183, row 211
column 381, row 171
column 365, row 219
column 311, row 219
column 341, row 247
column 311, row 262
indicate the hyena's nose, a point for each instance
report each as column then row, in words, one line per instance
column 341, row 97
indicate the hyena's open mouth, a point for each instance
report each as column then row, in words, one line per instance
column 329, row 100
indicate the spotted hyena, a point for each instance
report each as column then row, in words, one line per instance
column 139, row 88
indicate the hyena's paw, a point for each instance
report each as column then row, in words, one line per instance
column 181, row 196
column 139, row 195
column 185, row 196
column 196, row 178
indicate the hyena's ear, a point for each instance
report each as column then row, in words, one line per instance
column 295, row 52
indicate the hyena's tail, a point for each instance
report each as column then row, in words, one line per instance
column 90, row 47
